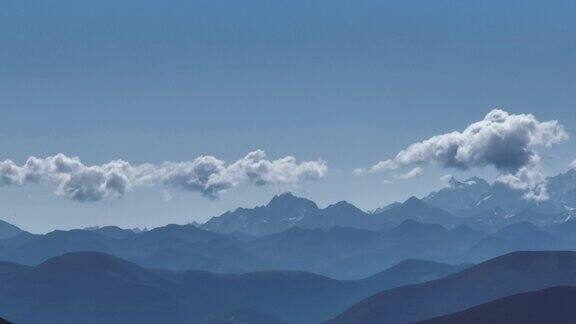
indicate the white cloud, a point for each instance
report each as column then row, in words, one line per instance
column 502, row 140
column 573, row 164
column 416, row 172
column 505, row 141
column 446, row 178
column 530, row 180
column 206, row 174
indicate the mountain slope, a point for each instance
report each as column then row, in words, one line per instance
column 523, row 236
column 551, row 305
column 87, row 287
column 416, row 210
column 411, row 271
column 172, row 246
column 475, row 197
column 460, row 197
column 8, row 230
column 503, row 276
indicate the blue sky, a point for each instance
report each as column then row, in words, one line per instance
column 350, row 82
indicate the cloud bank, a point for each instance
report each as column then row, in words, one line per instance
column 508, row 142
column 206, row 175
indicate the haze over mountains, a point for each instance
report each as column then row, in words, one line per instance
column 90, row 287
column 341, row 241
column 277, row 263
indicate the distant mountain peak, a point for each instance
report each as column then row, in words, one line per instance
column 343, row 204
column 454, row 183
column 288, row 199
column 413, row 201
column 85, row 261
column 412, row 226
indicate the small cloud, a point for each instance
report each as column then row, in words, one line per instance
column 166, row 196
column 446, row 178
column 358, row 171
column 416, row 172
column 573, row 164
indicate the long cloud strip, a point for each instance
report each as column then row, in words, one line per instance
column 206, row 174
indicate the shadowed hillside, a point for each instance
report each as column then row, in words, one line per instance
column 503, row 276
column 551, row 305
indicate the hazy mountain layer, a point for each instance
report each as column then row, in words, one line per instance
column 90, row 287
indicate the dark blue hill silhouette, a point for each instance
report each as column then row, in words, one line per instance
column 9, row 268
column 551, row 305
column 92, row 287
column 500, row 277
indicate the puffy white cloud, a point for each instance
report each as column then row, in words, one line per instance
column 573, row 164
column 502, row 140
column 505, row 141
column 206, row 174
column 416, row 172
column 210, row 176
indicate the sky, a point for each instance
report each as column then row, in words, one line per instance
column 344, row 84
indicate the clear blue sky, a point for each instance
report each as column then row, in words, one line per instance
column 351, row 82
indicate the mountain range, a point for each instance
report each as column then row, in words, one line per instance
column 91, row 287
column 340, row 252
column 476, row 197
column 473, row 202
column 291, row 261
column 409, row 230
